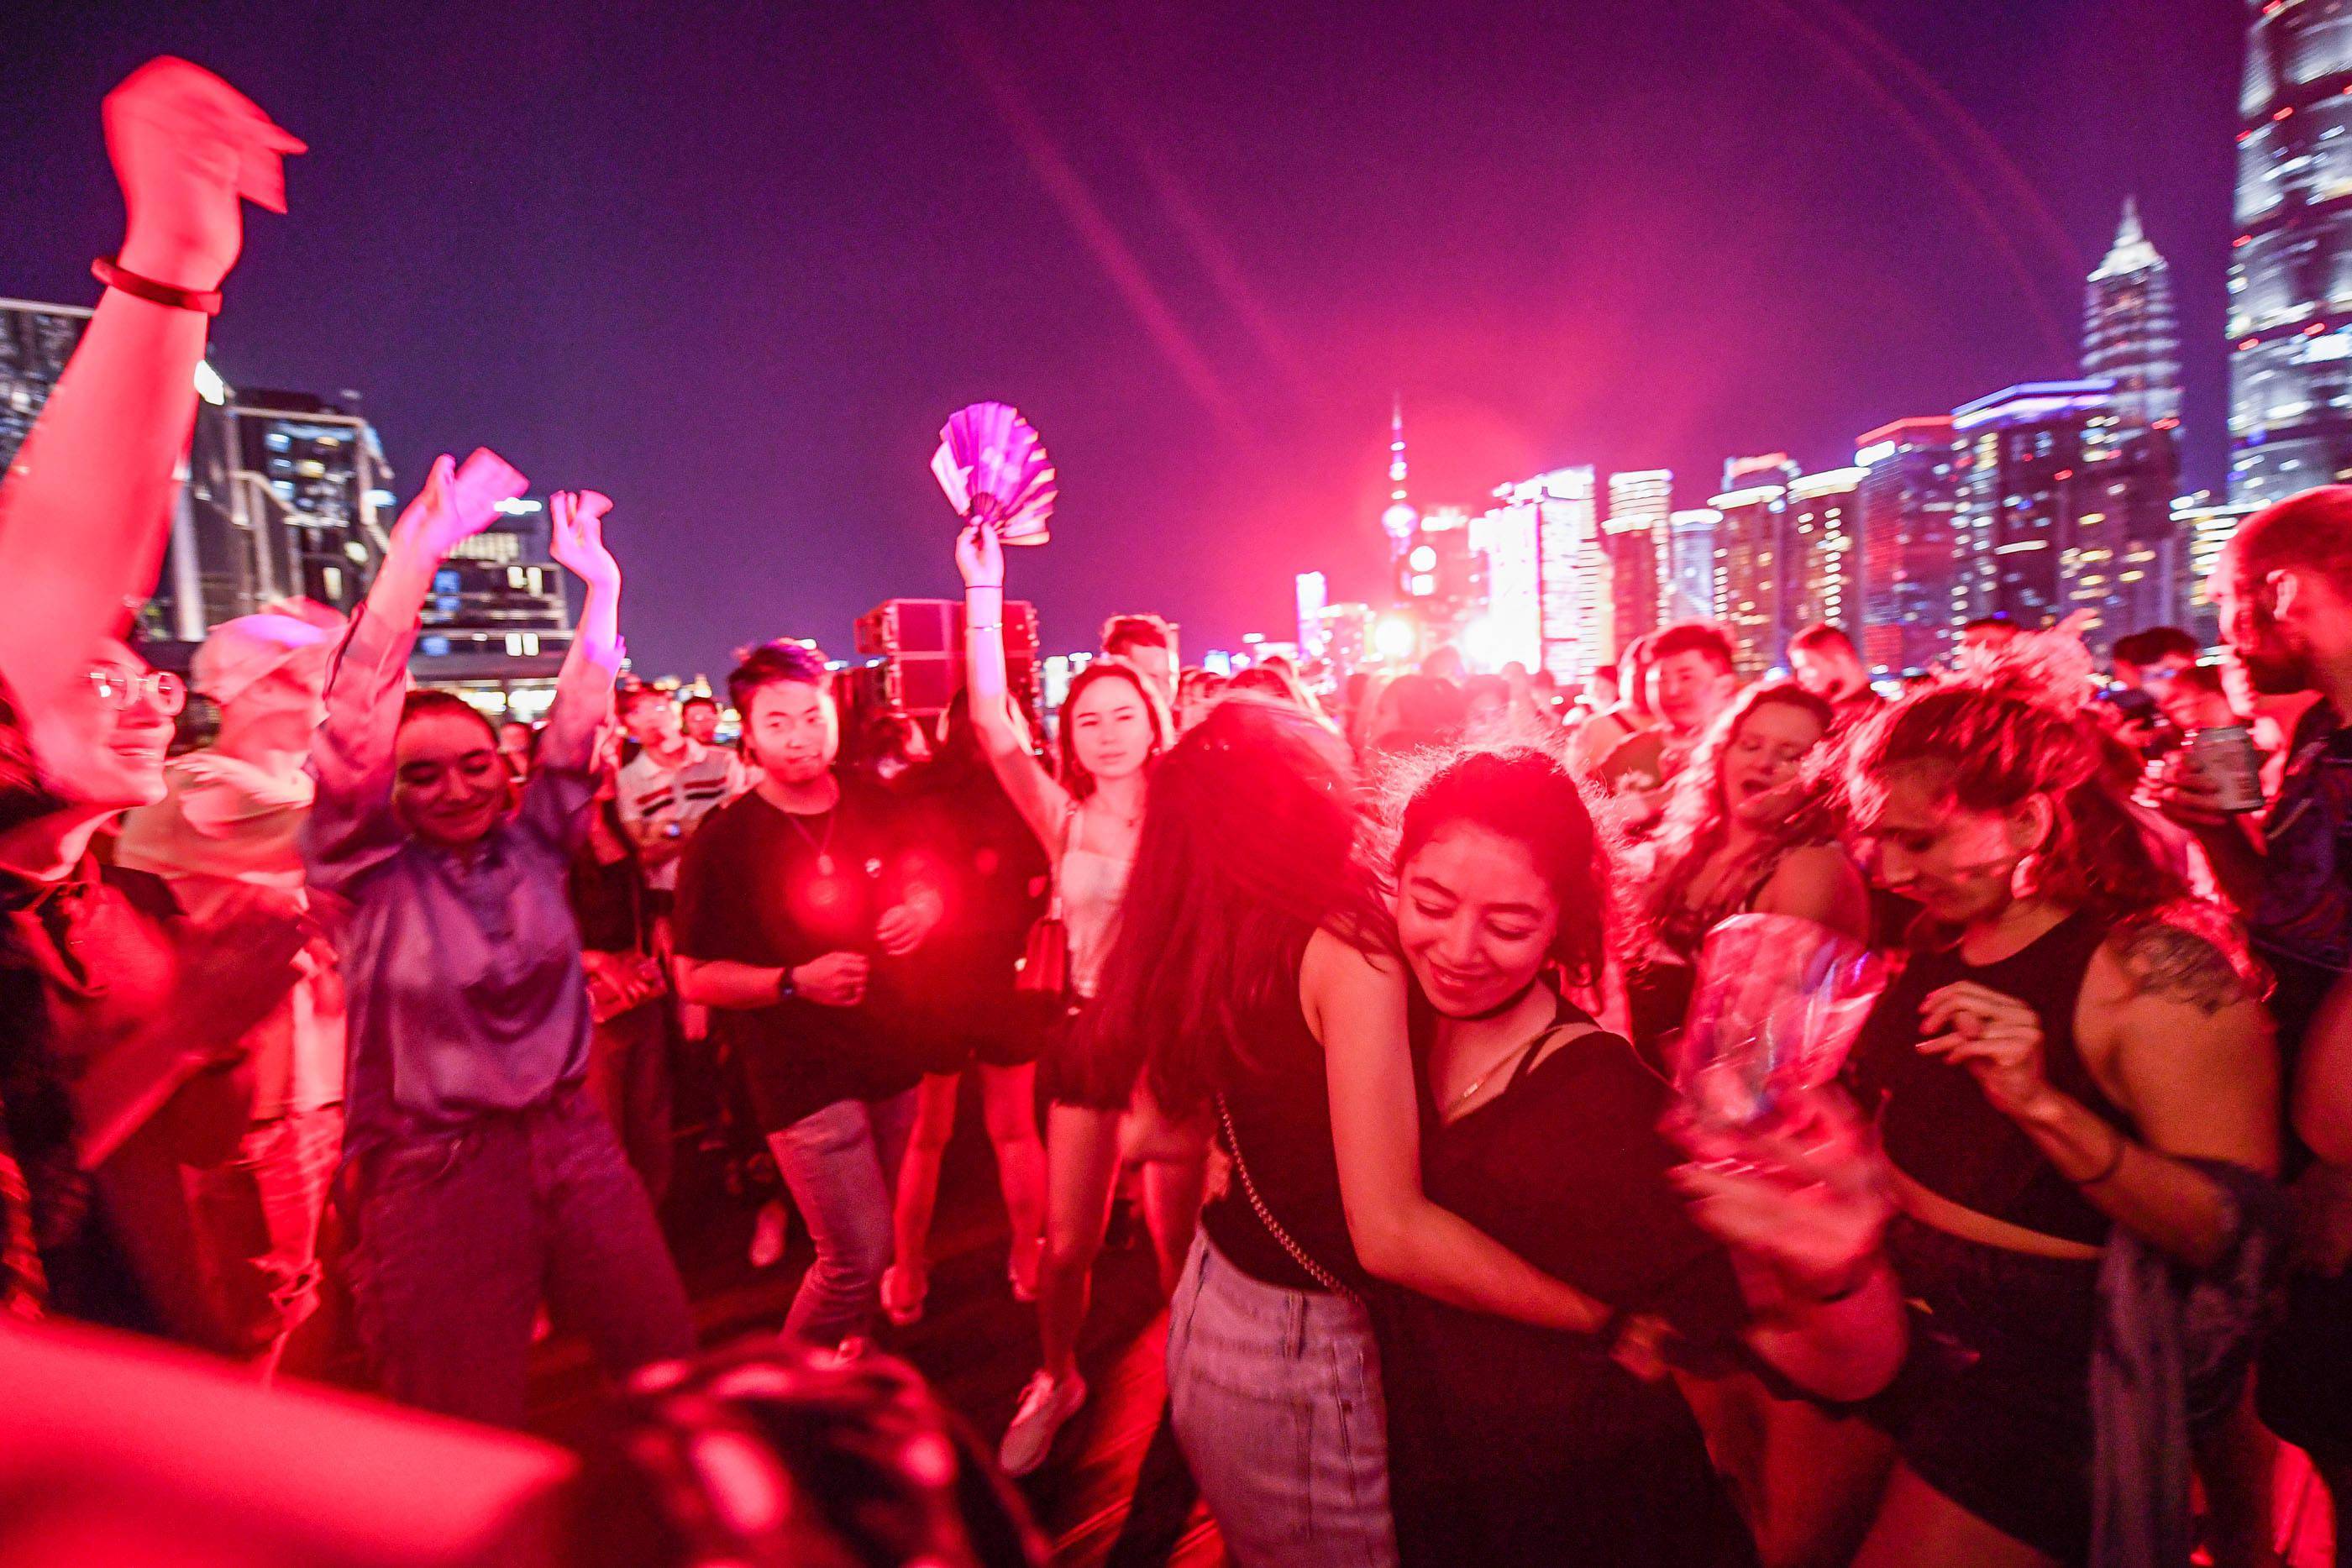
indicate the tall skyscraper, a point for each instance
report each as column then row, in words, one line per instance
column 2206, row 525
column 2024, row 446
column 286, row 496
column 35, row 341
column 1510, row 538
column 1694, row 588
column 2064, row 507
column 1313, row 591
column 2131, row 335
column 1573, row 587
column 1751, row 549
column 1823, row 536
column 1912, row 581
column 2290, row 317
column 1639, row 549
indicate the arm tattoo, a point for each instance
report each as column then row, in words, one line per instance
column 2164, row 960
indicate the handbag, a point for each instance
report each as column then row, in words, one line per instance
column 1042, row 977
column 1316, row 1271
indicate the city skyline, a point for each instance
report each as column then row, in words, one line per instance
column 1637, row 237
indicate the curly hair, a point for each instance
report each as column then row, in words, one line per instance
column 1991, row 744
column 1697, row 818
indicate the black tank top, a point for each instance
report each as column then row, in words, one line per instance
column 1940, row 1130
column 1280, row 1111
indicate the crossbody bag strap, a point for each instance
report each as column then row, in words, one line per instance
column 1274, row 1227
column 1069, row 838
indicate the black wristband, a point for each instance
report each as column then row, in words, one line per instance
column 2114, row 1162
column 203, row 301
column 1850, row 1288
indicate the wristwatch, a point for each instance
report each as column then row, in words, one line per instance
column 785, row 990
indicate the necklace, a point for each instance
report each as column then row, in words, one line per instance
column 1517, row 1049
column 822, row 846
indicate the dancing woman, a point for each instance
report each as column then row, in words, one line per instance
column 1113, row 730
column 1742, row 833
column 2070, row 1033
column 481, row 1176
column 1254, row 976
column 1542, row 1129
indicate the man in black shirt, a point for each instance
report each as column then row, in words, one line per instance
column 797, row 903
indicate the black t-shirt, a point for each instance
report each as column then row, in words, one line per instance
column 1513, row 1444
column 761, row 887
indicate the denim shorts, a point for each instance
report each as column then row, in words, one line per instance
column 1274, row 1396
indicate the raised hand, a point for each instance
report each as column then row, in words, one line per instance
column 1996, row 1037
column 1810, row 1199
column 577, row 537
column 187, row 149
column 456, row 503
column 979, row 556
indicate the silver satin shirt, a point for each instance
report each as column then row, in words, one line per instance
column 462, row 972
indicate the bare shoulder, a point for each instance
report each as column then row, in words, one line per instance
column 1332, row 960
column 2166, row 960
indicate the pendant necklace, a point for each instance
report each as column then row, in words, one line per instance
column 822, row 846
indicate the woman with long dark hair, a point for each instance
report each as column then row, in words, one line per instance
column 989, row 865
column 2074, row 1042
column 1743, row 832
column 1543, row 1129
column 1255, row 976
column 1113, row 733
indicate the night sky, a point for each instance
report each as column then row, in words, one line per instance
column 735, row 263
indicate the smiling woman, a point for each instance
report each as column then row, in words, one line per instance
column 479, row 1173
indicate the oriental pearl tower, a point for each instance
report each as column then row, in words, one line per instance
column 1400, row 519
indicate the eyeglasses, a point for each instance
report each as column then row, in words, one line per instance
column 163, row 690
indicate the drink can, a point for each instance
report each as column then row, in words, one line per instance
column 2225, row 755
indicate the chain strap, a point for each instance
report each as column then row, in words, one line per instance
column 1274, row 1227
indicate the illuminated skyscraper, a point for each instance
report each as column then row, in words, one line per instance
column 1639, row 549
column 1510, row 538
column 1313, row 593
column 1912, row 584
column 2131, row 335
column 1694, row 586
column 1573, row 588
column 2015, row 523
column 1822, row 536
column 2063, row 507
column 35, row 341
column 2206, row 526
column 2290, row 319
column 1752, row 559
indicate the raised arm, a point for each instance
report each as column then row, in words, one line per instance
column 556, row 801
column 1355, row 1006
column 350, row 825
column 1044, row 805
column 583, row 688
column 86, row 508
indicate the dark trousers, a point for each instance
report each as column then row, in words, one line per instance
column 457, row 1237
column 629, row 1073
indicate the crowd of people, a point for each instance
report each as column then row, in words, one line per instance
column 1368, row 993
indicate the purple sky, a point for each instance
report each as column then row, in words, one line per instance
column 734, row 263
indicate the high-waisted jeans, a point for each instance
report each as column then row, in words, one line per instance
column 457, row 1237
column 1276, row 1399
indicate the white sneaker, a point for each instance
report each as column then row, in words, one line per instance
column 1045, row 1404
column 768, row 1232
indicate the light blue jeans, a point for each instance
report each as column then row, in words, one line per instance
column 1274, row 1396
column 841, row 1164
